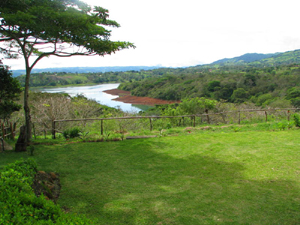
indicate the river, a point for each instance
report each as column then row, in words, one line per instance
column 96, row 92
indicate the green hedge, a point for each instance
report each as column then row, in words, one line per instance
column 19, row 204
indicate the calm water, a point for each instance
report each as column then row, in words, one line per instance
column 95, row 92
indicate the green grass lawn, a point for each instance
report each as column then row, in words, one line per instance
column 201, row 178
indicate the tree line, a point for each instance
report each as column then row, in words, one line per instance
column 52, row 79
column 276, row 86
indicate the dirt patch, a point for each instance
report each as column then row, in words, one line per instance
column 47, row 184
column 117, row 92
column 124, row 96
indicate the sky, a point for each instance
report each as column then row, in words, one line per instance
column 173, row 33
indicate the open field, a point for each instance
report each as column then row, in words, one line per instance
column 198, row 178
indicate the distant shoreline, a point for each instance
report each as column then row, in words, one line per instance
column 68, row 85
column 126, row 97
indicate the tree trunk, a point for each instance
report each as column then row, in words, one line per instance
column 26, row 106
column 22, row 140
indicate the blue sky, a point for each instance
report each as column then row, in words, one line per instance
column 190, row 32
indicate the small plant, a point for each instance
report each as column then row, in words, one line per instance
column 296, row 119
column 83, row 135
column 31, row 150
column 122, row 136
column 162, row 133
column 281, row 125
column 168, row 126
column 290, row 125
column 235, row 129
column 106, row 136
column 72, row 133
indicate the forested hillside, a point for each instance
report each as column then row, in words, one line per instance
column 271, row 81
column 260, row 60
column 246, row 58
column 264, row 79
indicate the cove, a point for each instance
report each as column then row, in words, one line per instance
column 95, row 92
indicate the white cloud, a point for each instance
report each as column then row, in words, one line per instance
column 183, row 33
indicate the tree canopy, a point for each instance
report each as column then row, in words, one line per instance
column 56, row 27
column 36, row 29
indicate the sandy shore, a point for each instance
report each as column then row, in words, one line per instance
column 124, row 96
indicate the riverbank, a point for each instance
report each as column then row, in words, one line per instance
column 126, row 97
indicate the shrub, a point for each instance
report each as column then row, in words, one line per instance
column 72, row 133
column 19, row 204
column 297, row 120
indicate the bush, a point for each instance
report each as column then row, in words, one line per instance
column 19, row 204
column 72, row 133
column 297, row 120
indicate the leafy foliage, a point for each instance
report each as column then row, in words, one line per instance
column 72, row 133
column 59, row 22
column 18, row 203
column 63, row 28
column 10, row 90
column 197, row 105
column 296, row 118
column 238, row 84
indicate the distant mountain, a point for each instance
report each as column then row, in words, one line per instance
column 285, row 58
column 87, row 69
column 246, row 58
column 256, row 59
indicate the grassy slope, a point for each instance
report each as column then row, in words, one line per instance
column 209, row 178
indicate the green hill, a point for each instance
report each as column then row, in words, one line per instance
column 256, row 59
column 285, row 58
column 246, row 58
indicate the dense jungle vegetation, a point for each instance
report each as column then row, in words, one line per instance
column 262, row 86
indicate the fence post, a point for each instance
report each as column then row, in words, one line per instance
column 14, row 130
column 239, row 122
column 266, row 116
column 3, row 130
column 207, row 116
column 288, row 113
column 53, row 129
column 151, row 127
column 2, row 142
column 223, row 117
column 34, row 133
column 11, row 131
column 101, row 127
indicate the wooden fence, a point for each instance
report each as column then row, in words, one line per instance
column 8, row 130
column 192, row 117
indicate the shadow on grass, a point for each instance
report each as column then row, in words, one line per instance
column 134, row 183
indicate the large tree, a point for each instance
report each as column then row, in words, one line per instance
column 35, row 29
